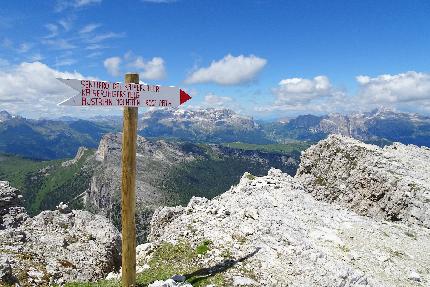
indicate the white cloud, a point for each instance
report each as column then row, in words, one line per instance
column 66, row 23
column 409, row 91
column 151, row 70
column 64, row 62
column 64, row 4
column 102, row 37
column 89, row 28
column 80, row 3
column 112, row 65
column 96, row 47
column 394, row 89
column 300, row 90
column 93, row 55
column 301, row 95
column 59, row 44
column 215, row 101
column 32, row 89
column 229, row 70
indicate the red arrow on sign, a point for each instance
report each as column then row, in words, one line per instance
column 183, row 97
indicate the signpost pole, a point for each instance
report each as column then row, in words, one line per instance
column 128, row 191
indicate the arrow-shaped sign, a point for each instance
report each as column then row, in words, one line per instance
column 106, row 94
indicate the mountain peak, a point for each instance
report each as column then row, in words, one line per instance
column 4, row 116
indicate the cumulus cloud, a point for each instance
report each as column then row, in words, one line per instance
column 409, row 91
column 300, row 90
column 229, row 70
column 394, row 89
column 307, row 95
column 151, row 70
column 31, row 89
column 112, row 66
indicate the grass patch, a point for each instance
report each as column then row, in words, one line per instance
column 272, row 148
column 320, row 181
column 250, row 176
column 204, row 247
column 168, row 260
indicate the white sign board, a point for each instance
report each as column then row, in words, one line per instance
column 106, row 94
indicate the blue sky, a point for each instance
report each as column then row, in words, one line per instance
column 262, row 58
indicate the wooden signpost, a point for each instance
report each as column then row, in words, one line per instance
column 130, row 95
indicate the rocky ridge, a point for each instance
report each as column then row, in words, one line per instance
column 391, row 183
column 277, row 230
column 55, row 247
column 268, row 231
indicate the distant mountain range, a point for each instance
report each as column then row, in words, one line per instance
column 380, row 126
column 48, row 139
column 60, row 138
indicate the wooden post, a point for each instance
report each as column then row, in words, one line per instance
column 128, row 191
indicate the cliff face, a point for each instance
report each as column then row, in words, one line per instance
column 54, row 247
column 390, row 183
column 170, row 173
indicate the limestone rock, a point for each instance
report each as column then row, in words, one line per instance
column 390, row 183
column 55, row 247
column 295, row 240
column 11, row 211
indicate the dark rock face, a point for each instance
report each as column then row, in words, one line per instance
column 54, row 247
column 390, row 183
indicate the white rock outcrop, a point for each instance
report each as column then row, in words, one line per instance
column 391, row 183
column 268, row 231
column 55, row 247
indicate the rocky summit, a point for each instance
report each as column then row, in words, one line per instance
column 390, row 183
column 327, row 226
column 54, row 247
